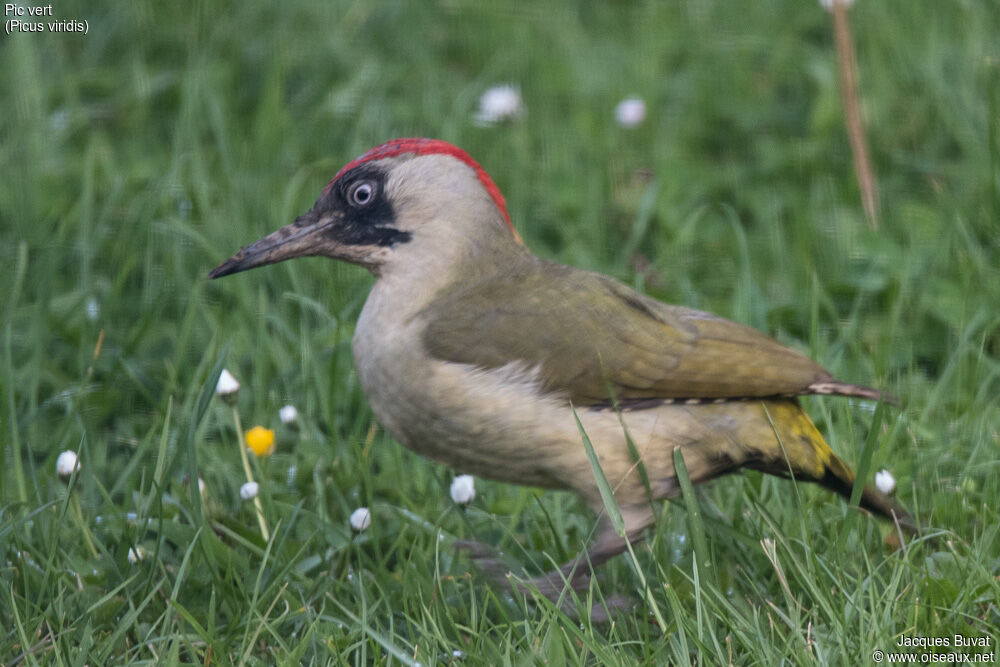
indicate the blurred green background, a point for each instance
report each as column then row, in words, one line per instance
column 135, row 158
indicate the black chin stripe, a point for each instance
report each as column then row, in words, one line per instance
column 369, row 235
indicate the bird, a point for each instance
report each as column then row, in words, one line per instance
column 474, row 352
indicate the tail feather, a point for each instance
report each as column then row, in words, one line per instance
column 802, row 452
column 839, row 478
column 837, row 388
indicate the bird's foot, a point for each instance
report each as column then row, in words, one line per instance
column 560, row 586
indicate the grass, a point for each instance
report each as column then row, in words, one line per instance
column 135, row 158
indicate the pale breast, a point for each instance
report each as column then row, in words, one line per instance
column 479, row 422
column 498, row 423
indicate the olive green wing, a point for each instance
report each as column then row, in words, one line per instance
column 587, row 333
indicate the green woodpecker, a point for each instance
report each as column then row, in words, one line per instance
column 474, row 352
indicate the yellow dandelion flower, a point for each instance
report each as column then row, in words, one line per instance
column 260, row 440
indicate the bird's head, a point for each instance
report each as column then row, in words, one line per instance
column 403, row 201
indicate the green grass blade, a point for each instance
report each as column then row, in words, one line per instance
column 868, row 453
column 607, row 495
column 695, row 524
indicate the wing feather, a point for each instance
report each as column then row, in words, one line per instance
column 588, row 333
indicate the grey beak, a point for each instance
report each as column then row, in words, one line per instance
column 302, row 238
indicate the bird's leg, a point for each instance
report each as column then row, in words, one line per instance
column 577, row 573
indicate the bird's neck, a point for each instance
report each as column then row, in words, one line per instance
column 407, row 286
column 387, row 340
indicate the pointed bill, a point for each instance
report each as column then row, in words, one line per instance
column 305, row 237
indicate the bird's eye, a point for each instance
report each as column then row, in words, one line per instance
column 361, row 193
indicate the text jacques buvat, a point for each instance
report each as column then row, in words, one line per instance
column 18, row 18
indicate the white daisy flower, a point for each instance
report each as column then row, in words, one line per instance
column 288, row 414
column 67, row 463
column 885, row 482
column 630, row 112
column 360, row 519
column 93, row 309
column 498, row 104
column 463, row 489
column 227, row 385
column 249, row 490
column 828, row 4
